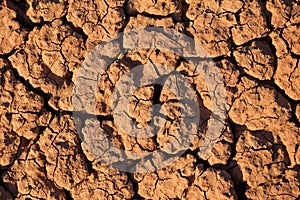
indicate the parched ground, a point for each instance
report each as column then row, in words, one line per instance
column 256, row 47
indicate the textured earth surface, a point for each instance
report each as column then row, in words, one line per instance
column 256, row 47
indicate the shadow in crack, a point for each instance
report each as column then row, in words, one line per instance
column 240, row 186
column 20, row 8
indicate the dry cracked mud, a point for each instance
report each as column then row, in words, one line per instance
column 255, row 45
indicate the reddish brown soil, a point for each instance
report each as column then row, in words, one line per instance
column 256, row 46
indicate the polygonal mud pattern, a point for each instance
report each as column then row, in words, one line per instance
column 256, row 47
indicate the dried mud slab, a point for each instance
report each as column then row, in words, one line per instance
column 186, row 180
column 9, row 143
column 104, row 183
column 298, row 112
column 281, row 12
column 212, row 23
column 287, row 76
column 260, row 108
column 264, row 162
column 40, row 11
column 252, row 22
column 158, row 8
column 257, row 60
column 98, row 19
column 51, row 53
column 60, row 143
column 46, row 151
column 287, row 73
column 291, row 35
column 20, row 112
column 12, row 35
column 27, row 177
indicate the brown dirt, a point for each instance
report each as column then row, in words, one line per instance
column 256, row 46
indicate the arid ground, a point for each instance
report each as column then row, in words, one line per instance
column 255, row 46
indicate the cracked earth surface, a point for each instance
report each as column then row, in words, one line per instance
column 256, row 47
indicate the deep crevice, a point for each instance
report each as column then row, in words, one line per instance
column 267, row 14
column 135, row 187
column 127, row 16
column 2, row 172
column 20, row 8
column 76, row 29
column 240, row 186
column 68, row 195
